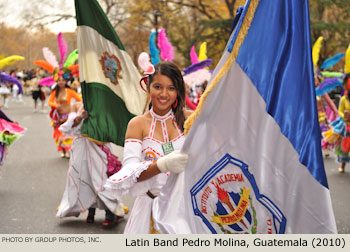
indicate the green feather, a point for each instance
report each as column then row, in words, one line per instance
column 71, row 58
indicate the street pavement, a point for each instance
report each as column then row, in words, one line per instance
column 33, row 181
column 34, row 178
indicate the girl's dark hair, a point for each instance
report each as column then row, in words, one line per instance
column 172, row 72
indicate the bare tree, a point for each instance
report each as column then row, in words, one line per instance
column 50, row 12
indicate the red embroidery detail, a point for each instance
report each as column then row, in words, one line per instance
column 133, row 141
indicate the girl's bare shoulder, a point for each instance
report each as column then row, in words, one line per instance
column 137, row 126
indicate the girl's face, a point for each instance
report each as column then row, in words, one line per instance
column 163, row 94
column 61, row 82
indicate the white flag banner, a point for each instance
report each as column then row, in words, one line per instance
column 255, row 162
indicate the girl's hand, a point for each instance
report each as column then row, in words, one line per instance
column 346, row 114
column 84, row 115
column 79, row 118
column 174, row 162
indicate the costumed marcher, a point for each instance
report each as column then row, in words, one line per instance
column 196, row 76
column 4, row 87
column 60, row 102
column 340, row 131
column 5, row 81
column 38, row 94
column 152, row 144
column 324, row 102
column 343, row 146
column 60, row 98
column 326, row 109
column 90, row 165
column 5, row 92
column 10, row 131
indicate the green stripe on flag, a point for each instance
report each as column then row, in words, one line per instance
column 106, row 111
column 90, row 13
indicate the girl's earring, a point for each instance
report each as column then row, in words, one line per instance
column 175, row 104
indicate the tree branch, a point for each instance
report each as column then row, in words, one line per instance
column 201, row 7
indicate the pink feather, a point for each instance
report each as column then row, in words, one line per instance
column 144, row 61
column 193, row 55
column 48, row 81
column 50, row 57
column 63, row 48
column 166, row 49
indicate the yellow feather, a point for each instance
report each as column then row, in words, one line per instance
column 203, row 52
column 347, row 61
column 316, row 50
column 10, row 60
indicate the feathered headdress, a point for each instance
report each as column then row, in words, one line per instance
column 328, row 63
column 316, row 51
column 65, row 64
column 153, row 49
column 10, row 60
column 197, row 74
column 166, row 49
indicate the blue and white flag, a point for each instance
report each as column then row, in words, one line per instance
column 255, row 163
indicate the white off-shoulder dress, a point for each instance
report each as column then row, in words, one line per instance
column 138, row 155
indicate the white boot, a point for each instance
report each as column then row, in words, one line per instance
column 20, row 99
column 6, row 102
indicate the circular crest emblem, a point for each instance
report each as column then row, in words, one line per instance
column 228, row 200
column 111, row 67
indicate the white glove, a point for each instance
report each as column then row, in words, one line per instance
column 174, row 162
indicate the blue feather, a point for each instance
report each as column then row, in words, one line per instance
column 5, row 77
column 328, row 85
column 153, row 49
column 328, row 63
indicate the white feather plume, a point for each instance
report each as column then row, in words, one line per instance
column 50, row 57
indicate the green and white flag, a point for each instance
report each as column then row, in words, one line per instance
column 109, row 78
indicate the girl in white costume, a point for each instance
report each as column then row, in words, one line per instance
column 5, row 92
column 152, row 144
column 90, row 165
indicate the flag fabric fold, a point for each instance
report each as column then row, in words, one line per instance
column 108, row 76
column 255, row 163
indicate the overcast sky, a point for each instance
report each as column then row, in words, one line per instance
column 12, row 11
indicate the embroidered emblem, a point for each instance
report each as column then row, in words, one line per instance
column 111, row 67
column 228, row 201
column 150, row 156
